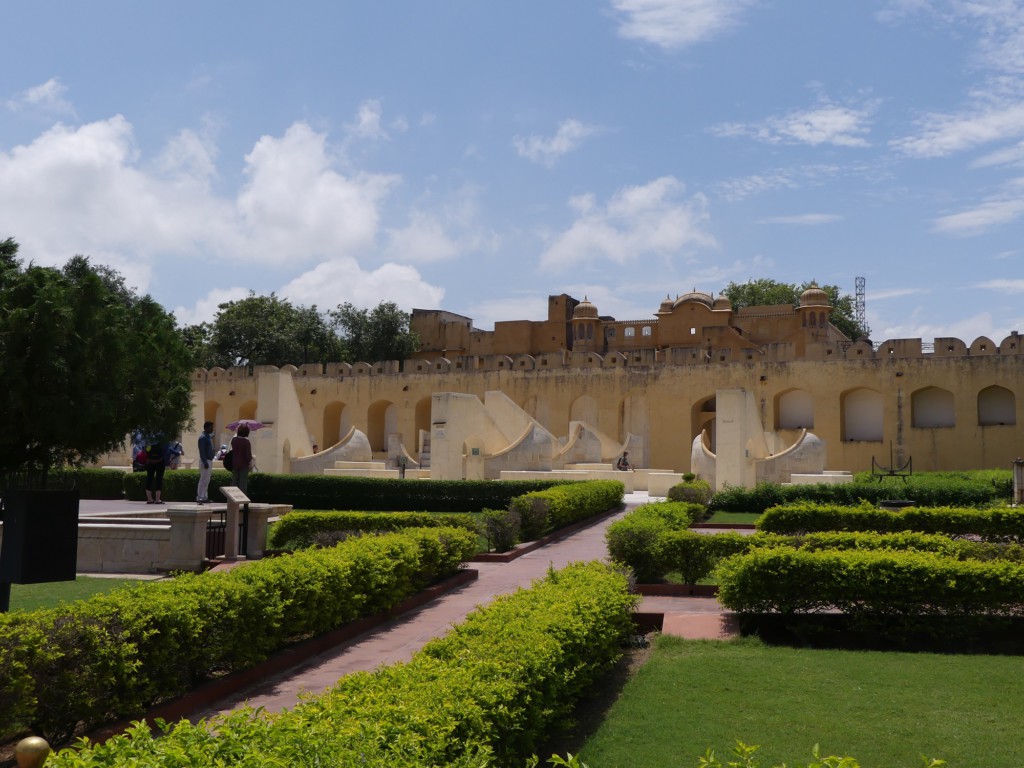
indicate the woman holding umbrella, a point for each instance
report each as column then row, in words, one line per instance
column 241, row 457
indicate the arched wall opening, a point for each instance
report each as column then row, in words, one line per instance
column 247, row 410
column 336, row 423
column 932, row 407
column 794, row 409
column 381, row 420
column 997, row 406
column 584, row 408
column 422, row 419
column 703, row 416
column 862, row 415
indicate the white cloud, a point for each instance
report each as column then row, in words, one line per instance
column 86, row 190
column 339, row 280
column 1013, row 155
column 367, row 124
column 940, row 135
column 826, row 124
column 966, row 329
column 1013, row 286
column 803, row 219
column 296, row 206
column 673, row 24
column 47, row 98
column 205, row 310
column 546, row 151
column 519, row 307
column 1006, row 208
column 637, row 221
column 423, row 239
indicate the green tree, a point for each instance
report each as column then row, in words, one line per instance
column 765, row 291
column 84, row 361
column 380, row 334
column 268, row 330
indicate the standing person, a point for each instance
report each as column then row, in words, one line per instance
column 206, row 454
column 156, row 461
column 241, row 457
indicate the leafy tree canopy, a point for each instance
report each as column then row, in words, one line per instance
column 380, row 334
column 84, row 361
column 765, row 291
column 268, row 330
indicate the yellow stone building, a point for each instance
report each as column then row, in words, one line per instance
column 648, row 383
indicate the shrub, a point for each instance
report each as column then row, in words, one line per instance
column 693, row 491
column 541, row 512
column 638, row 539
column 501, row 528
column 296, row 530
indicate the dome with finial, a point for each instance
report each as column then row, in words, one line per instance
column 667, row 304
column 814, row 297
column 584, row 310
column 699, row 296
column 722, row 302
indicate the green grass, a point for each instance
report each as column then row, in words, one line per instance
column 885, row 709
column 29, row 597
column 733, row 517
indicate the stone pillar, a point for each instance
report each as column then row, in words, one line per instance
column 259, row 514
column 1018, row 481
column 188, row 538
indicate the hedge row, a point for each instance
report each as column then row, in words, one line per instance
column 365, row 494
column 929, row 489
column 1000, row 524
column 298, row 530
column 114, row 655
column 542, row 512
column 877, row 583
column 487, row 694
column 637, row 540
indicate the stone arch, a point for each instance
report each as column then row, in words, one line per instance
column 337, row 421
column 932, row 407
column 286, row 457
column 584, row 408
column 633, row 417
column 794, row 409
column 862, row 415
column 381, row 420
column 422, row 414
column 247, row 410
column 997, row 406
column 212, row 411
column 703, row 415
column 539, row 408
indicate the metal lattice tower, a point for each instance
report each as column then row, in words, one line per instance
column 859, row 307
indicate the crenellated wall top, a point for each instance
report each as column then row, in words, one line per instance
column 891, row 349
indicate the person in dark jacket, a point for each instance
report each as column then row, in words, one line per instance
column 241, row 458
column 156, row 462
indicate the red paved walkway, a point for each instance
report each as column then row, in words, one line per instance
column 399, row 639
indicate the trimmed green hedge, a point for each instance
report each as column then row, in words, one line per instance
column 114, row 655
column 637, row 539
column 487, row 694
column 300, row 529
column 957, row 489
column 879, row 583
column 367, row 494
column 542, row 512
column 1002, row 524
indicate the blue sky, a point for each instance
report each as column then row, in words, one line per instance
column 478, row 156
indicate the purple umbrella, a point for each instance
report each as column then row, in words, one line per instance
column 252, row 424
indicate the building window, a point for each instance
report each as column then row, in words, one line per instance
column 693, row 331
column 610, row 333
column 646, row 331
column 630, row 332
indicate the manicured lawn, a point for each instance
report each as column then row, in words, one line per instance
column 734, row 517
column 885, row 709
column 28, row 597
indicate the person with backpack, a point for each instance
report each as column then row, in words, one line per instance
column 241, row 458
column 155, row 465
column 623, row 462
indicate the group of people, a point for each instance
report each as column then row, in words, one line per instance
column 154, row 456
column 241, row 460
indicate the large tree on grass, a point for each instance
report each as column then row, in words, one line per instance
column 84, row 361
column 765, row 291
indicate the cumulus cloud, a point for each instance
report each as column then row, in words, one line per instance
column 803, row 219
column 826, row 124
column 47, row 99
column 339, row 280
column 87, row 189
column 205, row 310
column 674, row 24
column 547, row 150
column 637, row 221
column 423, row 239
